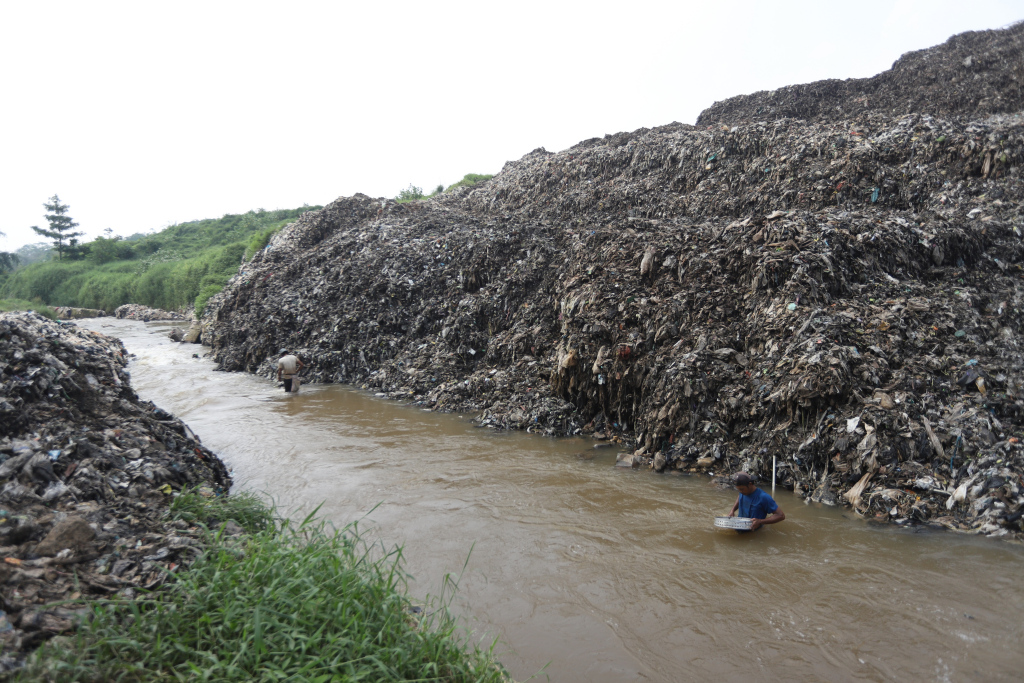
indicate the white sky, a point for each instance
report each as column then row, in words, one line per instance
column 144, row 114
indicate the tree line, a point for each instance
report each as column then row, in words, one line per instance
column 181, row 266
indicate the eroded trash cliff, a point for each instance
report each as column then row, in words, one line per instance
column 87, row 472
column 841, row 292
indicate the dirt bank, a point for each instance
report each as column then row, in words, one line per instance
column 87, row 472
column 844, row 294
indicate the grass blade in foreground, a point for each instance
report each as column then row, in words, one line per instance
column 296, row 603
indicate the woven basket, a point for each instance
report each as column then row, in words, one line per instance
column 741, row 523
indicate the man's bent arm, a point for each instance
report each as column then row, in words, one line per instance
column 776, row 517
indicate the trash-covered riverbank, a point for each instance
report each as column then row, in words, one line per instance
column 842, row 294
column 87, row 472
column 105, row 498
column 326, row 601
column 145, row 313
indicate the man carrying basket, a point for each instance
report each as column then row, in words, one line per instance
column 755, row 503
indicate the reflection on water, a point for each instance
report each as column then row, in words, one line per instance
column 608, row 574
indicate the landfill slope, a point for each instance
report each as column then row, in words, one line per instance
column 842, row 295
column 972, row 75
column 87, row 471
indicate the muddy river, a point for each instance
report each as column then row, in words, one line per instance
column 586, row 572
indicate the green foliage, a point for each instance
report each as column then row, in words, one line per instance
column 258, row 241
column 413, row 193
column 204, row 295
column 61, row 230
column 194, row 237
column 8, row 261
column 246, row 509
column 42, row 281
column 410, row 193
column 104, row 250
column 184, row 265
column 7, row 305
column 469, row 180
column 295, row 602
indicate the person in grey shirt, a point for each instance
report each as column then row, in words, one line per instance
column 287, row 367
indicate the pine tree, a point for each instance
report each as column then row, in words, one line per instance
column 62, row 227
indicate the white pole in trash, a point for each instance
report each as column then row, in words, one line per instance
column 773, row 475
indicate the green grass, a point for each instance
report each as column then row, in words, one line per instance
column 259, row 240
column 469, row 180
column 291, row 602
column 246, row 509
column 19, row 305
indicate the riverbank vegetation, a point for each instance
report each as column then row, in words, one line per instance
column 181, row 266
column 7, row 305
column 282, row 601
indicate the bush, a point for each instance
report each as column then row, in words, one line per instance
column 204, row 295
column 410, row 193
column 469, row 180
column 41, row 280
column 259, row 241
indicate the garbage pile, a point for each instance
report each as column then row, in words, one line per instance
column 844, row 295
column 970, row 76
column 145, row 313
column 87, row 471
column 73, row 313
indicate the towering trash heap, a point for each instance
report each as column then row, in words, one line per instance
column 829, row 274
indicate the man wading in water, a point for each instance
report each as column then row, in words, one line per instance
column 289, row 366
column 755, row 503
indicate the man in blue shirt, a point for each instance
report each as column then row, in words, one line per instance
column 755, row 503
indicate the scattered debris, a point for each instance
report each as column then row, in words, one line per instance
column 87, row 472
column 145, row 313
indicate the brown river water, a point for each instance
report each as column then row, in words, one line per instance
column 586, row 572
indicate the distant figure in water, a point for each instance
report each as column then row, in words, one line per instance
column 755, row 503
column 287, row 367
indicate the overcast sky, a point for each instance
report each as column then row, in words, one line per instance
column 144, row 114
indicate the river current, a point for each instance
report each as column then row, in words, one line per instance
column 588, row 572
